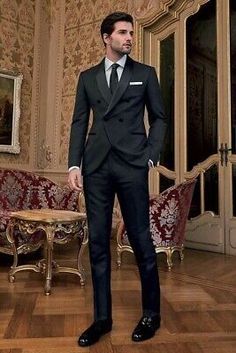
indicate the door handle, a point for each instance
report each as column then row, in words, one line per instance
column 224, row 150
column 221, row 150
column 226, row 153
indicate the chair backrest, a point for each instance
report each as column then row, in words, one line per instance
column 169, row 212
column 21, row 190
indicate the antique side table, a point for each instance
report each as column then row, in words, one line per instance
column 56, row 226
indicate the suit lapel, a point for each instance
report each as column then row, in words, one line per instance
column 123, row 84
column 102, row 83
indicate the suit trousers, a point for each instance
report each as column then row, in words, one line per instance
column 130, row 183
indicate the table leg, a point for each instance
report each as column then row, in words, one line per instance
column 10, row 237
column 80, row 253
column 47, row 288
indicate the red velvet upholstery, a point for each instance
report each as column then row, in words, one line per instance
column 20, row 190
column 168, row 215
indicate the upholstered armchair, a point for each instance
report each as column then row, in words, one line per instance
column 168, row 216
column 22, row 190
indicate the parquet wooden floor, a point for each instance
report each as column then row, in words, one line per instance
column 198, row 308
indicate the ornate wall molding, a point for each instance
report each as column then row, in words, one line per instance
column 37, row 89
column 162, row 18
column 44, row 156
column 56, row 79
column 166, row 11
column 50, row 9
column 143, row 8
column 46, row 102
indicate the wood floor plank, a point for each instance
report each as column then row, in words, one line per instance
column 21, row 318
column 10, row 351
column 198, row 308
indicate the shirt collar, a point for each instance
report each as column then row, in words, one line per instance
column 121, row 62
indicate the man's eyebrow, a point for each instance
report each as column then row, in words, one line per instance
column 125, row 30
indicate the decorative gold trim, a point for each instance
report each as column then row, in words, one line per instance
column 81, row 252
column 168, row 250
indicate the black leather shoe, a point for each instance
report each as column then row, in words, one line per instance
column 94, row 332
column 146, row 328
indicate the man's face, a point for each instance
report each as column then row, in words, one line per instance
column 121, row 39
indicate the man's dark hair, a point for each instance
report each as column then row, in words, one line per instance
column 108, row 23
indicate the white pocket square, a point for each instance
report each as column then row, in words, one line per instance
column 136, row 83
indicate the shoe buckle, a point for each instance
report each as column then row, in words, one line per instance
column 146, row 321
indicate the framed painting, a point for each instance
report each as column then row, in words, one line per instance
column 10, row 94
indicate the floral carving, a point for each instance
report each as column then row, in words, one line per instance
column 142, row 8
column 45, row 155
column 50, row 8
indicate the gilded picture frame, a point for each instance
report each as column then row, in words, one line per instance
column 10, row 95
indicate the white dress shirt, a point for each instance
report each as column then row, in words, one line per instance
column 108, row 68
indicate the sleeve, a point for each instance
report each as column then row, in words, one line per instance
column 156, row 116
column 79, row 125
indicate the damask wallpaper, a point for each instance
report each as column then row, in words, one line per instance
column 83, row 48
column 17, row 18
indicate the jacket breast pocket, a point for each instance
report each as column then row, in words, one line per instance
column 135, row 91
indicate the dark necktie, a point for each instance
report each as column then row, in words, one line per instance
column 114, row 77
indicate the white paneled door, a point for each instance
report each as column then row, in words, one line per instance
column 192, row 44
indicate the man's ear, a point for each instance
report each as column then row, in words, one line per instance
column 106, row 38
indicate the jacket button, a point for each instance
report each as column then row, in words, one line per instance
column 98, row 101
column 121, row 120
column 106, row 118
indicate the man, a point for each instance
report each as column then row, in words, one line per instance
column 115, row 160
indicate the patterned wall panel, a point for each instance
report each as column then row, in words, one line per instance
column 16, row 55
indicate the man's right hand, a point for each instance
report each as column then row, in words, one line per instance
column 75, row 179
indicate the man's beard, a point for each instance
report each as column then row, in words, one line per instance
column 123, row 51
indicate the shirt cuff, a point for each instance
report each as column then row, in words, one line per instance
column 73, row 167
column 150, row 163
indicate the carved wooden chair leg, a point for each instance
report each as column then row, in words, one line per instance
column 181, row 254
column 11, row 276
column 169, row 259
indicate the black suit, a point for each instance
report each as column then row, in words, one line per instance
column 115, row 160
